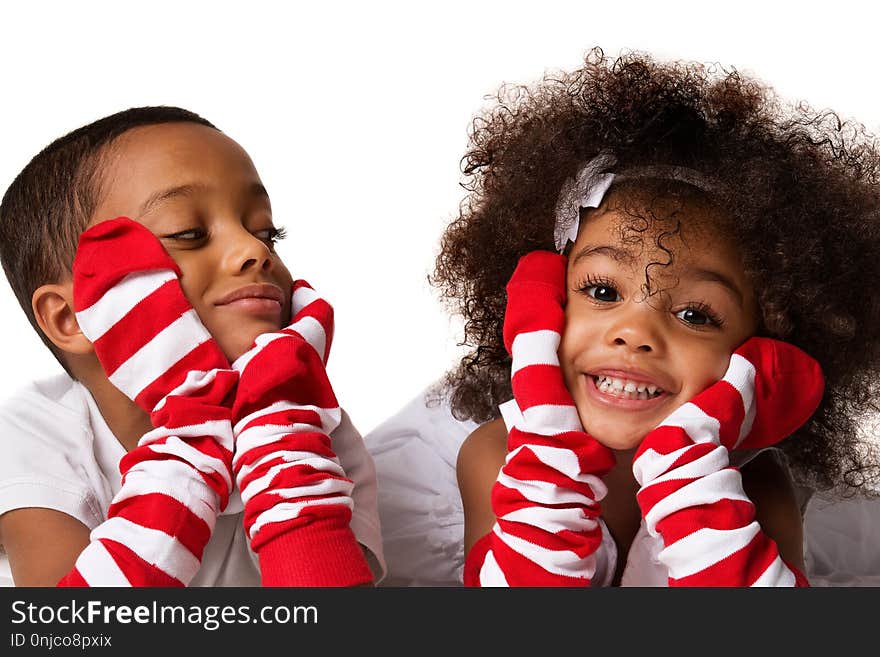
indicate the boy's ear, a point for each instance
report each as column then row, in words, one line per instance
column 53, row 310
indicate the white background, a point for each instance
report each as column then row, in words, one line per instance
column 356, row 116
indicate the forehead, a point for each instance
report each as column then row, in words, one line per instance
column 153, row 157
column 648, row 228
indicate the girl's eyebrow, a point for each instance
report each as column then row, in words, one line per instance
column 614, row 252
column 712, row 276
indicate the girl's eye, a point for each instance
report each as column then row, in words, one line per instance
column 271, row 235
column 604, row 293
column 696, row 316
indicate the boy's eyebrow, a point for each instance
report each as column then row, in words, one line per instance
column 157, row 198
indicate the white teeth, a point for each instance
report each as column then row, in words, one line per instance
column 626, row 388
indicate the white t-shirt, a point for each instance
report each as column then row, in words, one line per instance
column 57, row 452
column 415, row 452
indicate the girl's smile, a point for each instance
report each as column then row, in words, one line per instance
column 647, row 328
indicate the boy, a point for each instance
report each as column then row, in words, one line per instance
column 198, row 192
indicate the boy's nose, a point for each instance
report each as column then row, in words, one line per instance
column 248, row 252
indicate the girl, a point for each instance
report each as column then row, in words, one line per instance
column 695, row 355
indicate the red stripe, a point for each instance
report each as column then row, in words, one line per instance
column 726, row 514
column 535, row 385
column 322, row 312
column 110, row 251
column 325, row 553
column 724, row 403
column 741, row 568
column 286, row 417
column 138, row 571
column 73, row 579
column 301, row 380
column 520, row 571
column 165, row 514
column 205, row 357
column 145, row 321
column 316, row 442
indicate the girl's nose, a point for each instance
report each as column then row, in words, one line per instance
column 636, row 328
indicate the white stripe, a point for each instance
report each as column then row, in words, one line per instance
column 553, row 520
column 329, row 487
column 777, row 574
column 705, row 547
column 153, row 546
column 701, row 427
column 176, row 480
column 723, row 485
column 263, row 482
column 302, row 297
column 564, row 460
column 157, row 356
column 219, row 430
column 716, row 460
column 651, row 464
column 119, row 300
column 291, row 457
column 534, row 348
column 550, row 420
column 311, row 331
column 741, row 375
column 542, row 492
column 491, row 574
column 98, row 568
column 559, row 562
column 330, row 417
column 290, row 510
column 202, row 462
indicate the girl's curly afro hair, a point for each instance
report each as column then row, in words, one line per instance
column 801, row 184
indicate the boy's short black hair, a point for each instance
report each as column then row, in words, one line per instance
column 50, row 202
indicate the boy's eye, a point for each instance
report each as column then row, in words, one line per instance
column 190, row 235
column 604, row 293
column 271, row 235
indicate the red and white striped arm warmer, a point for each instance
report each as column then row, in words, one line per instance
column 546, row 497
column 153, row 347
column 297, row 498
column 691, row 496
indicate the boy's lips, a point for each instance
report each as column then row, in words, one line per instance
column 258, row 298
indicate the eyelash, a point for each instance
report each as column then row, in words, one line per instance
column 274, row 235
column 713, row 319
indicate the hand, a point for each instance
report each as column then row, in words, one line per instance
column 297, row 497
column 153, row 347
column 546, row 497
column 689, row 493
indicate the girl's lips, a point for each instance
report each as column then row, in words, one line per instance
column 616, row 401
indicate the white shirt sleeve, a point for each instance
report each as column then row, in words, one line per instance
column 48, row 457
column 354, row 458
column 420, row 508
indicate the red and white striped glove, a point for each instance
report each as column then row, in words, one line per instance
column 297, row 498
column 153, row 347
column 694, row 499
column 546, row 497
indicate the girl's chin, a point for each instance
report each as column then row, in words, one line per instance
column 615, row 439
